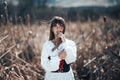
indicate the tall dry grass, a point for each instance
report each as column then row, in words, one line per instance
column 97, row 49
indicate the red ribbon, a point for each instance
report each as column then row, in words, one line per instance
column 61, row 65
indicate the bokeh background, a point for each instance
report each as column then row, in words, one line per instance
column 94, row 25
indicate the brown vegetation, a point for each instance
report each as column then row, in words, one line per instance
column 98, row 50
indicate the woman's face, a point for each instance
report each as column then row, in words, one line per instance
column 56, row 29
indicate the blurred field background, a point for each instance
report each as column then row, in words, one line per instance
column 95, row 28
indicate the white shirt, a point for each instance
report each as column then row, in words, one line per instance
column 53, row 63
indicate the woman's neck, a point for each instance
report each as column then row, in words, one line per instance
column 56, row 39
column 57, row 42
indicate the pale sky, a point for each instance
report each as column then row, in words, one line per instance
column 77, row 3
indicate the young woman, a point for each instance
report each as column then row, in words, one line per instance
column 58, row 53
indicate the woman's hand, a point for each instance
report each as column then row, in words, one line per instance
column 62, row 36
column 62, row 54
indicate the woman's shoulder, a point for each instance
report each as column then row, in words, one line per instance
column 46, row 43
column 68, row 41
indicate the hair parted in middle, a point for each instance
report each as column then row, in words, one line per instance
column 56, row 20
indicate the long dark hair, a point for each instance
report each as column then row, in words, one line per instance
column 56, row 20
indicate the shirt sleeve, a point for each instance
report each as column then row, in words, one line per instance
column 51, row 64
column 70, row 49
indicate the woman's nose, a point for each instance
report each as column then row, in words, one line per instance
column 59, row 30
